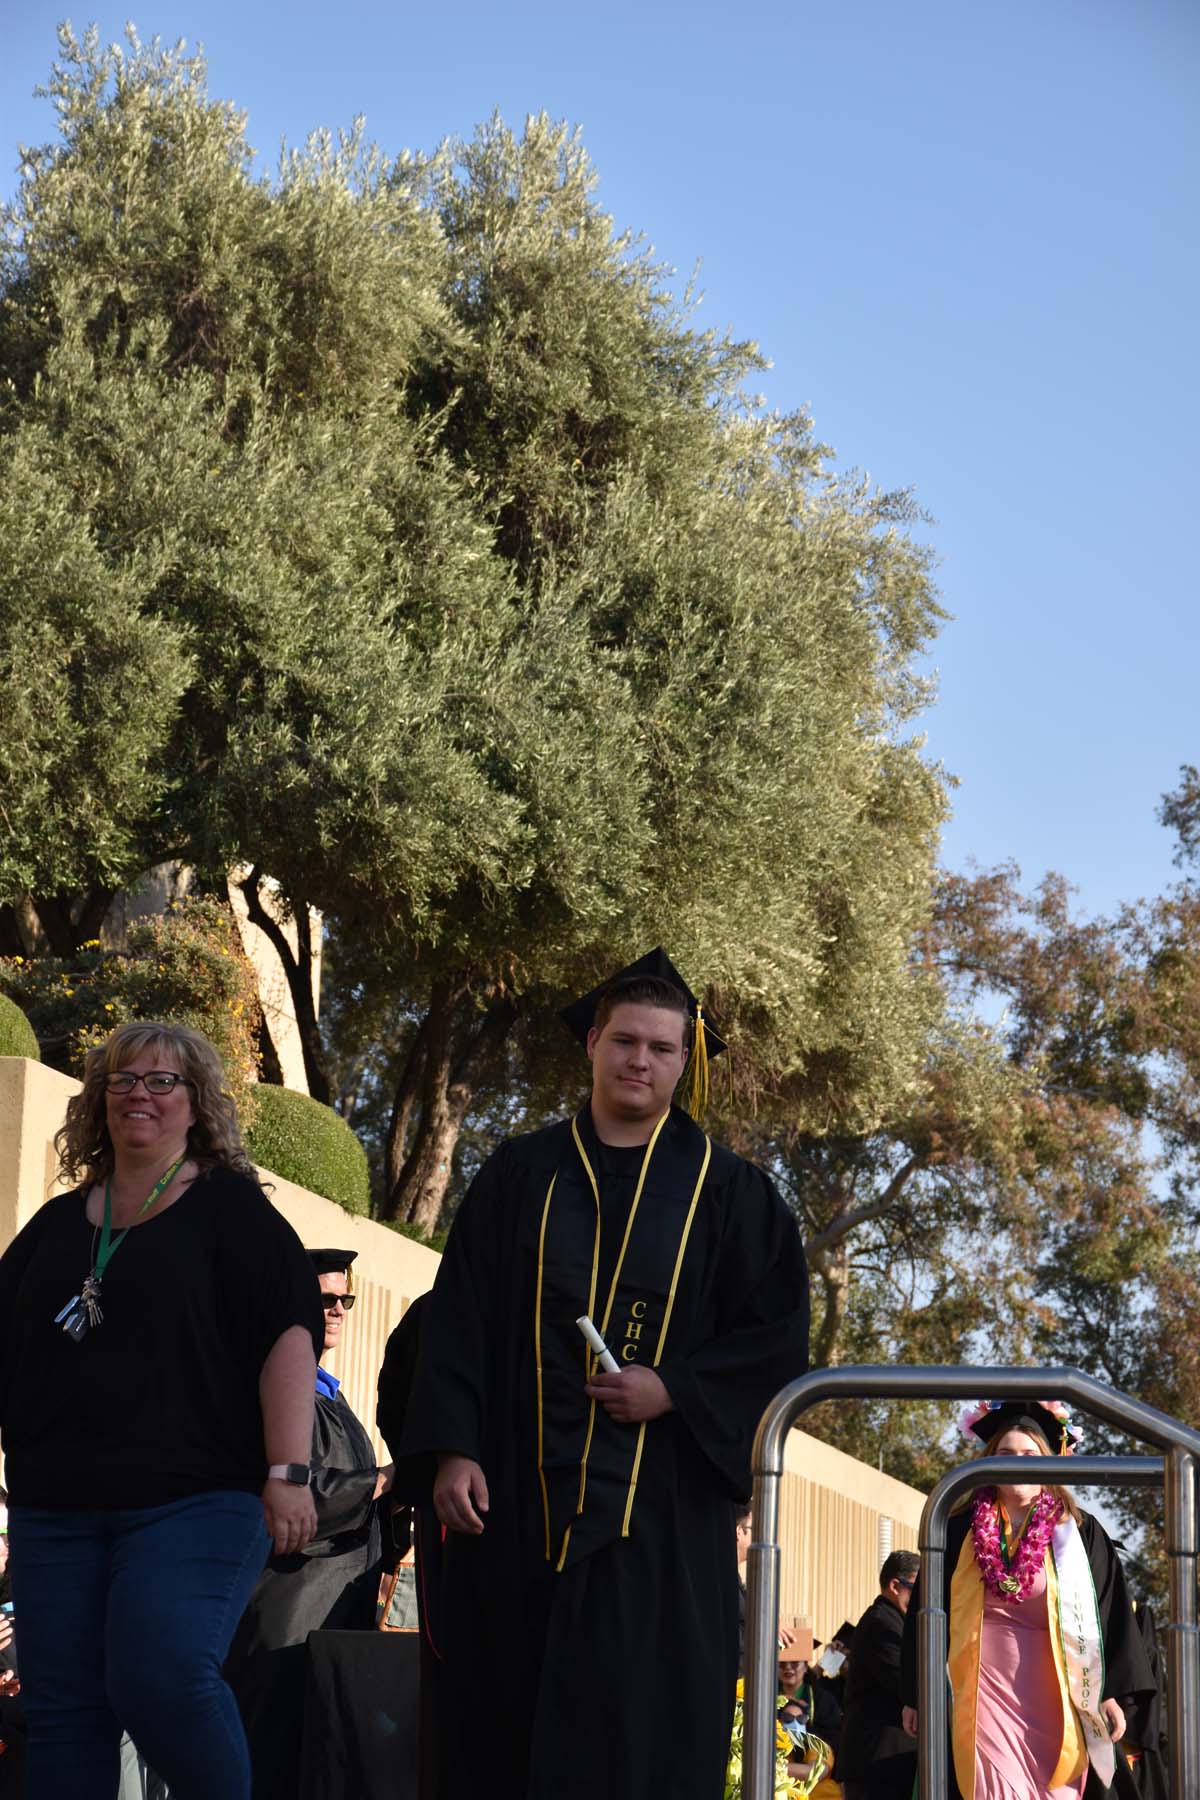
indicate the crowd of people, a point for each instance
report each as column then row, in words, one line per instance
column 569, row 1416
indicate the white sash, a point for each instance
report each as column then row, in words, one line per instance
column 1083, row 1646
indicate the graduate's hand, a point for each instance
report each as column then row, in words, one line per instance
column 632, row 1396
column 908, row 1718
column 383, row 1478
column 1114, row 1718
column 460, row 1494
column 290, row 1513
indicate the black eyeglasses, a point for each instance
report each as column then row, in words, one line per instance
column 903, row 1583
column 157, row 1081
column 329, row 1301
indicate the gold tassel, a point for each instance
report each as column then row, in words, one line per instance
column 696, row 1101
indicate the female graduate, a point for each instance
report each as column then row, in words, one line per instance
column 1045, row 1656
column 330, row 1585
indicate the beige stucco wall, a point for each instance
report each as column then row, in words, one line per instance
column 830, row 1504
column 830, row 1507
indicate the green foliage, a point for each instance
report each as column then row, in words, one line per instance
column 391, row 526
column 17, row 1036
column 300, row 1140
column 435, row 1240
column 187, row 965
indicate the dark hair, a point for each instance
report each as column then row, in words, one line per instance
column 901, row 1565
column 644, row 990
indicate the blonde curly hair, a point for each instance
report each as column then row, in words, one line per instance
column 85, row 1150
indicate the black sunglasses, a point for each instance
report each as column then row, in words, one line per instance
column 329, row 1301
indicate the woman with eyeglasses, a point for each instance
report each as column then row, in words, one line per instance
column 331, row 1584
column 1045, row 1663
column 159, row 1333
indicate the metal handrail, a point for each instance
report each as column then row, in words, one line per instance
column 1180, row 1442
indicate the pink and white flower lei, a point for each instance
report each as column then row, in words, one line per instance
column 1014, row 1583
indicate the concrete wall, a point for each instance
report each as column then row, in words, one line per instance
column 831, row 1506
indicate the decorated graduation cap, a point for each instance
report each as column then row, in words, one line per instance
column 656, row 965
column 986, row 1419
column 332, row 1262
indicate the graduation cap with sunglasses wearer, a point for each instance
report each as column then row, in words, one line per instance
column 335, row 1262
column 653, row 980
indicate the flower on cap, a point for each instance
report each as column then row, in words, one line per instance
column 979, row 1409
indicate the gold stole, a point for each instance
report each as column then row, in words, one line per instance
column 966, row 1639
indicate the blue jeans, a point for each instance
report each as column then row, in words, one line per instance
column 124, row 1619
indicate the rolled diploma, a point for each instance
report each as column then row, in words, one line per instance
column 604, row 1355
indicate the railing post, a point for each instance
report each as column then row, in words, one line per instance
column 762, row 1633
column 1183, row 1638
column 933, row 1772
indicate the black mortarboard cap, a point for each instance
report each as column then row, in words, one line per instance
column 580, row 1016
column 332, row 1262
column 1019, row 1415
column 844, row 1633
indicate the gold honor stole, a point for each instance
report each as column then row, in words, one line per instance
column 588, row 1466
column 1077, row 1645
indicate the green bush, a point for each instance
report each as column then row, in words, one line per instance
column 297, row 1138
column 17, row 1036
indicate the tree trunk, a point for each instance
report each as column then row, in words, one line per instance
column 833, row 1271
column 395, row 1147
column 70, row 921
column 449, row 1076
column 18, row 929
column 298, row 968
column 270, row 1068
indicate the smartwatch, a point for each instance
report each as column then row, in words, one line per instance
column 296, row 1474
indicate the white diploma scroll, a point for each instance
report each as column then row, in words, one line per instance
column 604, row 1355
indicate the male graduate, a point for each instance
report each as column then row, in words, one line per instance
column 590, row 1516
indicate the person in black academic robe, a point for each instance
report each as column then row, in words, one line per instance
column 879, row 1759
column 330, row 1585
column 602, row 1586
column 1127, row 1675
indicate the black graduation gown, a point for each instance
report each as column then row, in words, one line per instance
column 877, row 1751
column 599, row 1606
column 396, row 1377
column 331, row 1584
column 1128, row 1678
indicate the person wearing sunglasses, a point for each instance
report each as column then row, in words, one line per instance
column 159, row 1335
column 878, row 1758
column 331, row 1583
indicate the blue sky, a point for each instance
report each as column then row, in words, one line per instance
column 966, row 237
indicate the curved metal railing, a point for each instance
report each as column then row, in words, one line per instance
column 1176, row 1468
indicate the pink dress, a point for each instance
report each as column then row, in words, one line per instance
column 1018, row 1732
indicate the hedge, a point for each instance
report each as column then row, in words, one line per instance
column 300, row 1140
column 17, row 1036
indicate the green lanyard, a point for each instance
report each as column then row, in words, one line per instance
column 109, row 1245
